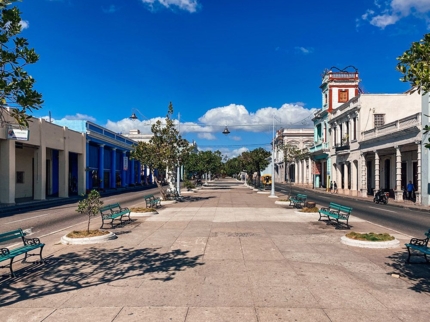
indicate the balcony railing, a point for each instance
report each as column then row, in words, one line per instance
column 342, row 147
column 319, row 146
column 392, row 127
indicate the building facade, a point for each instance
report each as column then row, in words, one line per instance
column 288, row 169
column 337, row 87
column 50, row 161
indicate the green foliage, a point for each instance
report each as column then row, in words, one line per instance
column 90, row 206
column 204, row 162
column 370, row 236
column 232, row 166
column 292, row 153
column 255, row 161
column 189, row 185
column 165, row 149
column 414, row 64
column 16, row 85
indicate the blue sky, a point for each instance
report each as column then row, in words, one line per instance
column 232, row 63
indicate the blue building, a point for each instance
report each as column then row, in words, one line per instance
column 107, row 159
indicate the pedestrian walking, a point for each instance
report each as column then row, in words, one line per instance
column 335, row 186
column 410, row 189
column 331, row 187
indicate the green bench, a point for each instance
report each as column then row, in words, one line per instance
column 419, row 247
column 336, row 212
column 152, row 202
column 28, row 244
column 112, row 212
column 298, row 201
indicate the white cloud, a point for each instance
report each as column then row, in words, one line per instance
column 187, row 5
column 390, row 12
column 206, row 136
column 24, row 24
column 233, row 153
column 79, row 116
column 235, row 138
column 383, row 21
column 304, row 50
column 235, row 117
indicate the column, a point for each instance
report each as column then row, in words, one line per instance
column 113, row 169
column 363, row 175
column 7, row 171
column 310, row 171
column 398, row 193
column 63, row 175
column 101, row 166
column 124, row 168
column 345, row 178
column 354, row 185
column 63, row 167
column 40, row 172
column 132, row 177
column 87, row 162
column 295, row 171
column 376, row 172
column 419, row 184
column 139, row 173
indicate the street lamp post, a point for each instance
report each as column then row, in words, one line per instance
column 272, row 192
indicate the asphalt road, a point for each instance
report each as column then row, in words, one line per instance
column 407, row 221
column 44, row 222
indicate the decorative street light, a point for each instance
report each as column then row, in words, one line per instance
column 272, row 192
column 226, row 131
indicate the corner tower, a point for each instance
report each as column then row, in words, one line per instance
column 338, row 87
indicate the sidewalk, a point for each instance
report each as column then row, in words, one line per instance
column 407, row 204
column 227, row 255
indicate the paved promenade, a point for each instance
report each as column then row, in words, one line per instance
column 225, row 255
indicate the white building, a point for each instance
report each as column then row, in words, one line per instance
column 376, row 144
column 298, row 171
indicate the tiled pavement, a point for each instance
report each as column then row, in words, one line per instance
column 225, row 255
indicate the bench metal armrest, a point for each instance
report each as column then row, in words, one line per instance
column 32, row 241
column 5, row 251
column 419, row 242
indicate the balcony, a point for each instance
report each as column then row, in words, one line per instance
column 396, row 128
column 342, row 147
column 319, row 147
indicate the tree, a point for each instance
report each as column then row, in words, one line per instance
column 260, row 158
column 414, row 64
column 204, row 162
column 255, row 161
column 16, row 85
column 90, row 206
column 165, row 150
column 232, row 167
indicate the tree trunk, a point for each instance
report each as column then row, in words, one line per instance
column 159, row 185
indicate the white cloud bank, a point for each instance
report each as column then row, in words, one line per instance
column 390, row 12
column 186, row 5
column 235, row 117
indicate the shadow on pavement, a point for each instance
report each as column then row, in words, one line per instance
column 417, row 271
column 94, row 266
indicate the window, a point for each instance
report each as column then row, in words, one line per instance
column 343, row 95
column 20, row 177
column 378, row 120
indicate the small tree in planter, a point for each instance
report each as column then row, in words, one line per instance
column 90, row 206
